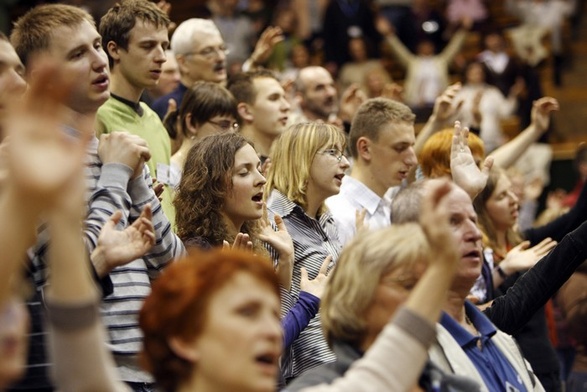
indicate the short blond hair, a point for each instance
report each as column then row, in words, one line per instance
column 33, row 32
column 293, row 154
column 360, row 267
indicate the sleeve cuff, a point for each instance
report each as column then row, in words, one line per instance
column 115, row 175
column 416, row 326
column 72, row 317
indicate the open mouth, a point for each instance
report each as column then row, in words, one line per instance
column 258, row 198
column 473, row 253
column 100, row 79
column 339, row 176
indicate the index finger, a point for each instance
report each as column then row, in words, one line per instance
column 325, row 264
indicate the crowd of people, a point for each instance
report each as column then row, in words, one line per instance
column 192, row 207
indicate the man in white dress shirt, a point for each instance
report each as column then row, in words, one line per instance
column 381, row 142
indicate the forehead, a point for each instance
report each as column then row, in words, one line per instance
column 400, row 132
column 245, row 154
column 317, row 77
column 66, row 38
column 460, row 202
column 267, row 85
column 243, row 287
column 207, row 38
column 8, row 55
column 144, row 30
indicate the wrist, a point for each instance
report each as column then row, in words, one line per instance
column 98, row 260
column 501, row 272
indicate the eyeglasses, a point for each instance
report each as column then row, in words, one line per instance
column 333, row 152
column 225, row 125
column 211, row 52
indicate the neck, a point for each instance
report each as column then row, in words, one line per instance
column 262, row 141
column 501, row 241
column 313, row 116
column 233, row 227
column 313, row 202
column 181, row 154
column 360, row 173
column 455, row 306
column 123, row 88
column 186, row 81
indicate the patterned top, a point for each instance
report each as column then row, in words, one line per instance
column 313, row 241
column 111, row 188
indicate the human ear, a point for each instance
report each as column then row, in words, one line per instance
column 192, row 129
column 364, row 148
column 112, row 49
column 183, row 349
column 245, row 112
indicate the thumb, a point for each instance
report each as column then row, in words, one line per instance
column 487, row 165
column 115, row 218
column 304, row 273
column 523, row 246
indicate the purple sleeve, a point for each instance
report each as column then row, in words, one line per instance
column 298, row 317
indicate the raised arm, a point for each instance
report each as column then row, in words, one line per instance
column 506, row 155
column 35, row 142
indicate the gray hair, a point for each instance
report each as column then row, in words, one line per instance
column 187, row 32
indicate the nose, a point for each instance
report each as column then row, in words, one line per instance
column 285, row 106
column 99, row 60
column 472, row 232
column 160, row 56
column 272, row 328
column 411, row 159
column 16, row 83
column 260, row 180
column 344, row 162
column 513, row 197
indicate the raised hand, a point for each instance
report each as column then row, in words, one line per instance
column 281, row 241
column 270, row 37
column 119, row 247
column 350, row 101
column 317, row 285
column 541, row 110
column 242, row 241
column 435, row 222
column 464, row 169
column 445, row 106
column 521, row 257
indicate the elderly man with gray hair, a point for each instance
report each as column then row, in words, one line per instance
column 200, row 52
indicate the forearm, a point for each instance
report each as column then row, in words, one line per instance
column 429, row 295
column 430, row 128
column 17, row 233
column 506, row 155
column 167, row 246
column 299, row 317
column 512, row 311
column 81, row 361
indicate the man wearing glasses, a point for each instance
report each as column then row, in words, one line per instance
column 381, row 142
column 262, row 108
column 201, row 53
column 135, row 37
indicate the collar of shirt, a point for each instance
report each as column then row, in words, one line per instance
column 279, row 204
column 136, row 106
column 356, row 190
column 460, row 334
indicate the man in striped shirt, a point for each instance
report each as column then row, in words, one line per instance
column 117, row 179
